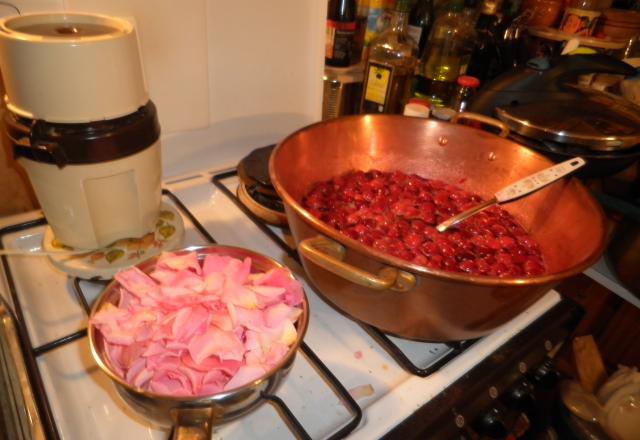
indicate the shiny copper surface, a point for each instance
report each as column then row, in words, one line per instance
column 443, row 306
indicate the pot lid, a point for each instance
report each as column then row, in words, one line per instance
column 593, row 119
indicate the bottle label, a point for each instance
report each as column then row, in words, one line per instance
column 377, row 86
column 328, row 42
column 339, row 40
column 415, row 32
column 376, row 21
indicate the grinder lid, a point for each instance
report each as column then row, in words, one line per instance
column 71, row 67
column 87, row 143
column 593, row 119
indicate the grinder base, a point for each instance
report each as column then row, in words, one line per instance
column 105, row 262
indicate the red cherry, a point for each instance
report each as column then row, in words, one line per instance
column 396, row 213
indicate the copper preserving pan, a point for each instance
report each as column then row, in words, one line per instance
column 409, row 300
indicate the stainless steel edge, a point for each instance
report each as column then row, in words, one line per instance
column 596, row 143
column 19, row 417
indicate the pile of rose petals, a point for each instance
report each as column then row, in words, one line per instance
column 191, row 329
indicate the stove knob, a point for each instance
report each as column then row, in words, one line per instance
column 492, row 424
column 544, row 375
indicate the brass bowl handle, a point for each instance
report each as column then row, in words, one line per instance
column 329, row 255
column 477, row 117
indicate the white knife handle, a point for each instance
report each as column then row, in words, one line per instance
column 538, row 180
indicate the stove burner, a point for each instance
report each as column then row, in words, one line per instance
column 256, row 191
column 267, row 209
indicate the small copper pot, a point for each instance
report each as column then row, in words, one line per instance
column 405, row 299
column 193, row 417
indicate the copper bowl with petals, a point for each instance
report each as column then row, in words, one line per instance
column 193, row 417
column 406, row 299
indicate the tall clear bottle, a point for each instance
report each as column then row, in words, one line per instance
column 485, row 58
column 420, row 22
column 390, row 67
column 446, row 55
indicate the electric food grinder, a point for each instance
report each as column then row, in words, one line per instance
column 80, row 122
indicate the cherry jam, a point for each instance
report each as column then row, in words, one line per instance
column 396, row 213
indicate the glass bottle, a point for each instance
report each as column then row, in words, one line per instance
column 361, row 28
column 484, row 61
column 446, row 55
column 376, row 24
column 392, row 60
column 341, row 29
column 420, row 21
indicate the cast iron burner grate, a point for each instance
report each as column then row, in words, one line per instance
column 439, row 354
column 31, row 353
column 255, row 189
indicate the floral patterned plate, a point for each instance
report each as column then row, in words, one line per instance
column 104, row 263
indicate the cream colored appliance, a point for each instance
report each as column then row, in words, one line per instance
column 80, row 121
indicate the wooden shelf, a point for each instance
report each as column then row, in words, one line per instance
column 552, row 34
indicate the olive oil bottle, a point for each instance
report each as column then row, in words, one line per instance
column 389, row 69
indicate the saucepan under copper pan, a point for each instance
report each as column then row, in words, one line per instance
column 405, row 299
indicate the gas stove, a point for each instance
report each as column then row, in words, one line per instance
column 349, row 379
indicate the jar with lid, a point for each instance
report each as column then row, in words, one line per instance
column 580, row 17
column 466, row 87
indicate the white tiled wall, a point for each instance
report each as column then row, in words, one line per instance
column 247, row 71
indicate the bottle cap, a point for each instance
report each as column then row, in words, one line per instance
column 468, row 81
column 420, row 101
column 416, row 110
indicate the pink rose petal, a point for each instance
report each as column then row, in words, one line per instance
column 215, row 341
column 179, row 262
column 277, row 313
column 189, row 330
column 252, row 319
column 136, row 281
column 239, row 295
column 245, row 374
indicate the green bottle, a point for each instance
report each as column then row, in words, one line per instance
column 446, row 55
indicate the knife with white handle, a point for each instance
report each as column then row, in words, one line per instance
column 519, row 189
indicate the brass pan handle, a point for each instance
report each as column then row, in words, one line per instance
column 192, row 423
column 477, row 117
column 329, row 254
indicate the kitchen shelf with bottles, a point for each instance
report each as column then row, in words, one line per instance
column 556, row 35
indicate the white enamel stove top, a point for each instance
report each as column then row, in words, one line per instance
column 84, row 404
